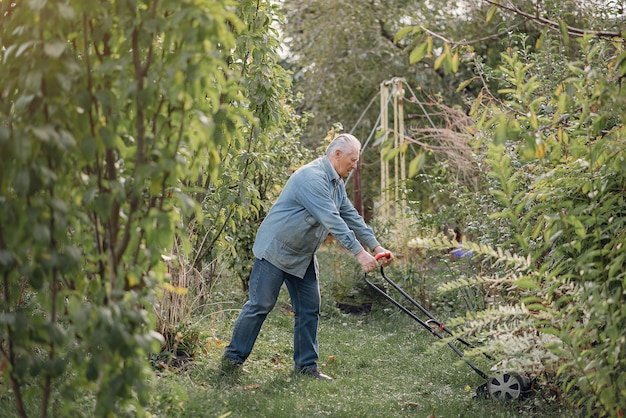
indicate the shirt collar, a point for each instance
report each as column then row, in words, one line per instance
column 330, row 170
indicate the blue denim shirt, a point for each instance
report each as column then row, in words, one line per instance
column 313, row 204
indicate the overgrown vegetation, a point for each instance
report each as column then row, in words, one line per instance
column 554, row 145
column 123, row 124
column 382, row 362
column 144, row 141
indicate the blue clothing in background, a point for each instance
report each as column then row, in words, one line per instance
column 460, row 252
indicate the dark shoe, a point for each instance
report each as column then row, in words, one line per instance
column 315, row 374
column 230, row 368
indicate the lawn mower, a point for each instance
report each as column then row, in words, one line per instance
column 504, row 386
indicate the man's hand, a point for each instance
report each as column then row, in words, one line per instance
column 368, row 263
column 385, row 261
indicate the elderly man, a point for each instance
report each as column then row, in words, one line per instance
column 312, row 204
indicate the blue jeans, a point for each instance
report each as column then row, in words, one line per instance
column 265, row 283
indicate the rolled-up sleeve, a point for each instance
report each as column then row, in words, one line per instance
column 316, row 196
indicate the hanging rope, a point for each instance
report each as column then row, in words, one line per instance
column 364, row 112
column 372, row 132
column 420, row 105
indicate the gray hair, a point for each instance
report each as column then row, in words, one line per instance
column 343, row 142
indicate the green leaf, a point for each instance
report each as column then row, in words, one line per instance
column 7, row 52
column 7, row 318
column 390, row 153
column 41, row 233
column 66, row 11
column 405, row 31
column 526, row 283
column 491, row 12
column 36, row 5
column 6, row 259
column 564, row 32
column 539, row 42
column 22, row 182
column 45, row 133
column 23, row 101
column 36, row 278
column 464, row 84
column 440, row 59
column 23, row 47
column 54, row 49
column 551, row 331
column 616, row 265
column 502, row 130
column 416, row 164
column 455, row 62
column 418, row 53
column 531, row 299
column 56, row 367
column 579, row 228
column 56, row 334
column 102, row 205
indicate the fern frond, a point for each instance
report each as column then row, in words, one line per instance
column 509, row 282
column 497, row 254
column 464, row 282
column 474, row 322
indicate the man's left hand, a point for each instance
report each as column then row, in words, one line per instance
column 385, row 261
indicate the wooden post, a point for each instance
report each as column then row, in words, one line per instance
column 402, row 144
column 396, row 144
column 384, row 164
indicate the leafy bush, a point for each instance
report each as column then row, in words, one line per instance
column 557, row 160
column 231, row 202
column 116, row 119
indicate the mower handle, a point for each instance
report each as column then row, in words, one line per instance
column 425, row 324
column 385, row 254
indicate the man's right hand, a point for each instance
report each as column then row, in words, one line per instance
column 367, row 261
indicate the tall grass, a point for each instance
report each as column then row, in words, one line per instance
column 181, row 301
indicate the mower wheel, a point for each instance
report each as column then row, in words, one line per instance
column 507, row 386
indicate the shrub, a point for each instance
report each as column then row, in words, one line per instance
column 557, row 160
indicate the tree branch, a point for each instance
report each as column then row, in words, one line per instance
column 573, row 31
column 9, row 353
column 47, row 386
column 15, row 384
column 140, row 124
column 92, row 128
column 472, row 41
column 247, row 54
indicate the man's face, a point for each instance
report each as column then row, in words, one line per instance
column 345, row 162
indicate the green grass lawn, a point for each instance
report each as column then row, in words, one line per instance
column 382, row 363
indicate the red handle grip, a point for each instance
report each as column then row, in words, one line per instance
column 386, row 254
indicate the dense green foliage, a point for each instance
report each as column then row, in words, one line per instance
column 554, row 144
column 547, row 137
column 118, row 120
column 144, row 141
column 561, row 188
